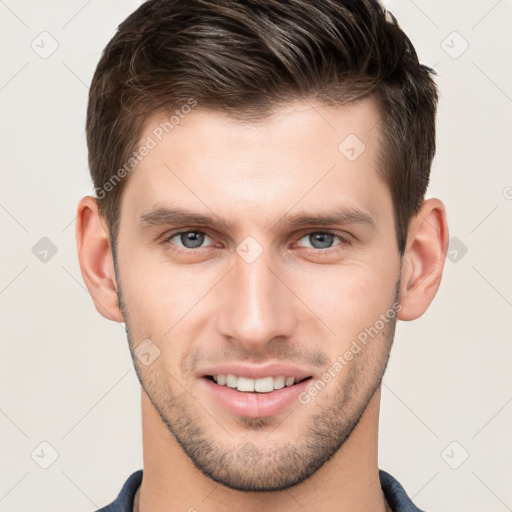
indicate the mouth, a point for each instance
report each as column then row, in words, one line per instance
column 255, row 386
column 254, row 398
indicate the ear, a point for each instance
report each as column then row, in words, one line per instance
column 95, row 257
column 424, row 257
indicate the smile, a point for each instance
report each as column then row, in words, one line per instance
column 261, row 385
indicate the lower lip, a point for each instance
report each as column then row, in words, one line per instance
column 254, row 405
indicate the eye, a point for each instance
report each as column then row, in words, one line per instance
column 188, row 239
column 323, row 240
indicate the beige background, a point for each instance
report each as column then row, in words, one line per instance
column 67, row 377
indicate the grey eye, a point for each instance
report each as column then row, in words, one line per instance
column 190, row 239
column 320, row 239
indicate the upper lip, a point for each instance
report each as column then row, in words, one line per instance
column 256, row 372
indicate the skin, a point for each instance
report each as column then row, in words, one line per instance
column 298, row 302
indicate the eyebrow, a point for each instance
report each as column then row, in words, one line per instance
column 161, row 216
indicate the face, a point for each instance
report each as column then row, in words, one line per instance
column 260, row 250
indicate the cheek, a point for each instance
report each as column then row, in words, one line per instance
column 162, row 298
column 346, row 297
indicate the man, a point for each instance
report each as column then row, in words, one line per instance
column 259, row 225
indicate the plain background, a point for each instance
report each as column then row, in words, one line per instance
column 67, row 376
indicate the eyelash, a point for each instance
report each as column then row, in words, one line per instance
column 344, row 241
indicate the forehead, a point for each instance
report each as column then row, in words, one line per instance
column 302, row 156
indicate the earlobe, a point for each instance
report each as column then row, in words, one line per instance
column 424, row 259
column 95, row 257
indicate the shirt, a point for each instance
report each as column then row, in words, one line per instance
column 394, row 492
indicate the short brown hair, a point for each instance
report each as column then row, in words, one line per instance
column 244, row 57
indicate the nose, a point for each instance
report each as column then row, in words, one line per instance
column 256, row 306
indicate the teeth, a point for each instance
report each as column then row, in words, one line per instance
column 263, row 385
column 245, row 384
column 289, row 381
column 279, row 382
column 231, row 381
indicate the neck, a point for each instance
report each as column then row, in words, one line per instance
column 349, row 481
